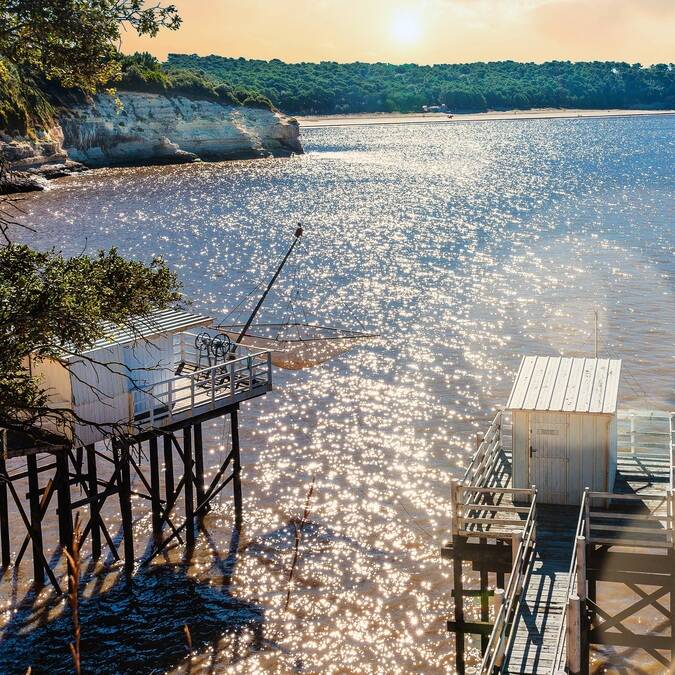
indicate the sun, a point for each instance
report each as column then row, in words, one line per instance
column 406, row 26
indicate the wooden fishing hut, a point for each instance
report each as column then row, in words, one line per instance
column 564, row 426
column 151, row 384
column 564, row 491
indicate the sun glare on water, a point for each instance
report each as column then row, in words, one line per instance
column 406, row 26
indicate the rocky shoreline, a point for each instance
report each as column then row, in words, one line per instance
column 137, row 129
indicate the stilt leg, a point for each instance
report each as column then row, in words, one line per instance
column 168, row 469
column 458, row 586
column 4, row 518
column 484, row 600
column 92, row 476
column 121, row 456
column 199, row 465
column 189, row 494
column 35, row 519
column 236, row 468
column 63, row 499
column 154, row 487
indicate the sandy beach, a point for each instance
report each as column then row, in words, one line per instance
column 367, row 119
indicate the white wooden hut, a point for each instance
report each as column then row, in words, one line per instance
column 564, row 426
column 120, row 377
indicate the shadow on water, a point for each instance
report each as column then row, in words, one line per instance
column 137, row 627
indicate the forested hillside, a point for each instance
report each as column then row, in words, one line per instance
column 329, row 87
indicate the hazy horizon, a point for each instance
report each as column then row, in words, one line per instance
column 424, row 32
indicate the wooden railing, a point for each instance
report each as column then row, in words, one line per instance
column 482, row 465
column 205, row 389
column 645, row 432
column 507, row 602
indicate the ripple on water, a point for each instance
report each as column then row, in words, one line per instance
column 465, row 246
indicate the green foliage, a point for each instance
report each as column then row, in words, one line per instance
column 49, row 304
column 329, row 87
column 75, row 41
column 143, row 72
column 23, row 106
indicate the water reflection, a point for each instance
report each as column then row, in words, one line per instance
column 464, row 246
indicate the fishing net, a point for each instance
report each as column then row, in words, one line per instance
column 297, row 345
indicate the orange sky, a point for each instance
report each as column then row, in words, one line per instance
column 422, row 31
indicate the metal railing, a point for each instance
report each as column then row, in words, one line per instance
column 506, row 605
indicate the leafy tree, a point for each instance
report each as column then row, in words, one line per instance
column 51, row 307
column 74, row 41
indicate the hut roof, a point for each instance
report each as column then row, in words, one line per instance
column 164, row 321
column 566, row 384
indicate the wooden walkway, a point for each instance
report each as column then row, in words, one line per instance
column 544, row 600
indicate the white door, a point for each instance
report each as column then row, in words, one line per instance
column 549, row 457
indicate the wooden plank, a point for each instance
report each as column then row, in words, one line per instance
column 573, row 384
column 548, row 384
column 522, row 382
column 612, row 388
column 599, row 385
column 536, row 380
column 560, row 385
column 586, row 385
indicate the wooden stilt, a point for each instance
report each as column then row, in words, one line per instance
column 168, row 468
column 4, row 517
column 458, row 587
column 121, row 457
column 199, row 463
column 64, row 510
column 236, row 468
column 154, row 487
column 189, row 493
column 484, row 601
column 92, row 476
column 35, row 519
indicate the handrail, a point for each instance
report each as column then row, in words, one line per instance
column 491, row 438
column 503, row 629
column 571, row 582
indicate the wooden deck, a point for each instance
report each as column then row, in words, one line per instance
column 530, row 626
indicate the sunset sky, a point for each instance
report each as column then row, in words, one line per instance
column 422, row 31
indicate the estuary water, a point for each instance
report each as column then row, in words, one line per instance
column 464, row 247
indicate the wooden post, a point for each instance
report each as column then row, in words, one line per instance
column 499, row 603
column 581, row 568
column 199, row 463
column 484, row 599
column 189, row 494
column 4, row 512
column 92, row 476
column 168, row 468
column 121, row 457
column 154, row 486
column 516, row 541
column 236, row 468
column 574, row 635
column 35, row 519
column 458, row 587
column 454, row 505
column 65, row 513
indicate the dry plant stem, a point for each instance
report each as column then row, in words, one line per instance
column 188, row 637
column 298, row 536
column 73, row 557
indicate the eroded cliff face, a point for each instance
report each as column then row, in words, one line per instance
column 155, row 129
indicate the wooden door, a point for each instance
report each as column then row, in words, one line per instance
column 549, row 457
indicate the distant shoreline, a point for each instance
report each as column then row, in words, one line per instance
column 369, row 119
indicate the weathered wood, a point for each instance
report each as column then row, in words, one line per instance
column 168, row 468
column 199, row 462
column 188, row 488
column 121, row 457
column 35, row 520
column 236, row 468
column 154, row 486
column 94, row 506
column 5, row 557
column 574, row 635
column 63, row 499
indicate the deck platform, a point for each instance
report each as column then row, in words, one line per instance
column 612, row 538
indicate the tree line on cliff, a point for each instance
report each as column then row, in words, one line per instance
column 330, row 87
